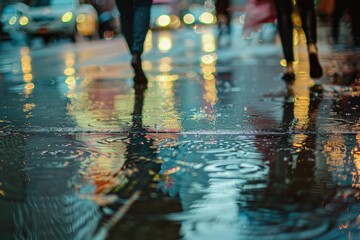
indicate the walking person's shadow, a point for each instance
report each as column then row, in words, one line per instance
column 137, row 183
column 300, row 184
column 140, row 152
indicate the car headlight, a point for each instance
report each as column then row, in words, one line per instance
column 23, row 20
column 207, row 18
column 189, row 18
column 66, row 17
column 163, row 21
column 12, row 20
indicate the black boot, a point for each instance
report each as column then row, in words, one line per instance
column 288, row 77
column 315, row 67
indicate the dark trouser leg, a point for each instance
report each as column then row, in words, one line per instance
column 336, row 16
column 308, row 19
column 354, row 7
column 285, row 26
column 126, row 17
column 223, row 11
column 141, row 22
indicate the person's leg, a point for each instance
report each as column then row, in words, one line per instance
column 228, row 15
column 126, row 19
column 308, row 19
column 309, row 24
column 354, row 6
column 141, row 23
column 285, row 27
column 339, row 9
column 223, row 14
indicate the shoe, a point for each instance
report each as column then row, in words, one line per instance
column 288, row 77
column 315, row 67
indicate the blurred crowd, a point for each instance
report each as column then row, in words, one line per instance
column 341, row 12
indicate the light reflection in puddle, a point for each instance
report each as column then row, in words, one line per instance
column 165, row 42
column 246, row 187
column 37, row 201
column 239, row 192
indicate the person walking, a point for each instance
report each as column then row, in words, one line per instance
column 223, row 14
column 353, row 7
column 284, row 10
column 135, row 22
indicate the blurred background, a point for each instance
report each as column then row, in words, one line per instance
column 25, row 21
column 22, row 22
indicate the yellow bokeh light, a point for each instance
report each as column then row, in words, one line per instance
column 208, row 47
column 283, row 62
column 26, row 59
column 69, row 71
column 165, row 67
column 210, row 94
column 28, row 107
column 174, row 21
column 26, row 68
column 70, row 80
column 12, row 20
column 163, row 21
column 80, row 18
column 66, row 17
column 29, row 86
column 208, row 59
column 208, row 76
column 23, row 20
column 207, row 18
column 189, row 18
column 208, row 69
column 208, row 42
column 28, row 77
column 165, row 42
column 167, row 78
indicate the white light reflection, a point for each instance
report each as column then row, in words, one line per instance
column 208, row 42
column 164, row 42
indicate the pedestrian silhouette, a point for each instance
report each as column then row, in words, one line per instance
column 300, row 183
column 223, row 14
column 285, row 25
column 135, row 21
column 353, row 7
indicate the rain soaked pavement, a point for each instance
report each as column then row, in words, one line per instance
column 215, row 147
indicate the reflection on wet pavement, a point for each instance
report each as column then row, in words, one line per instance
column 215, row 146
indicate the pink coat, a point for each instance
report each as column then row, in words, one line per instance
column 257, row 13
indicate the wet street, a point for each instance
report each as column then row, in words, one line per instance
column 216, row 146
